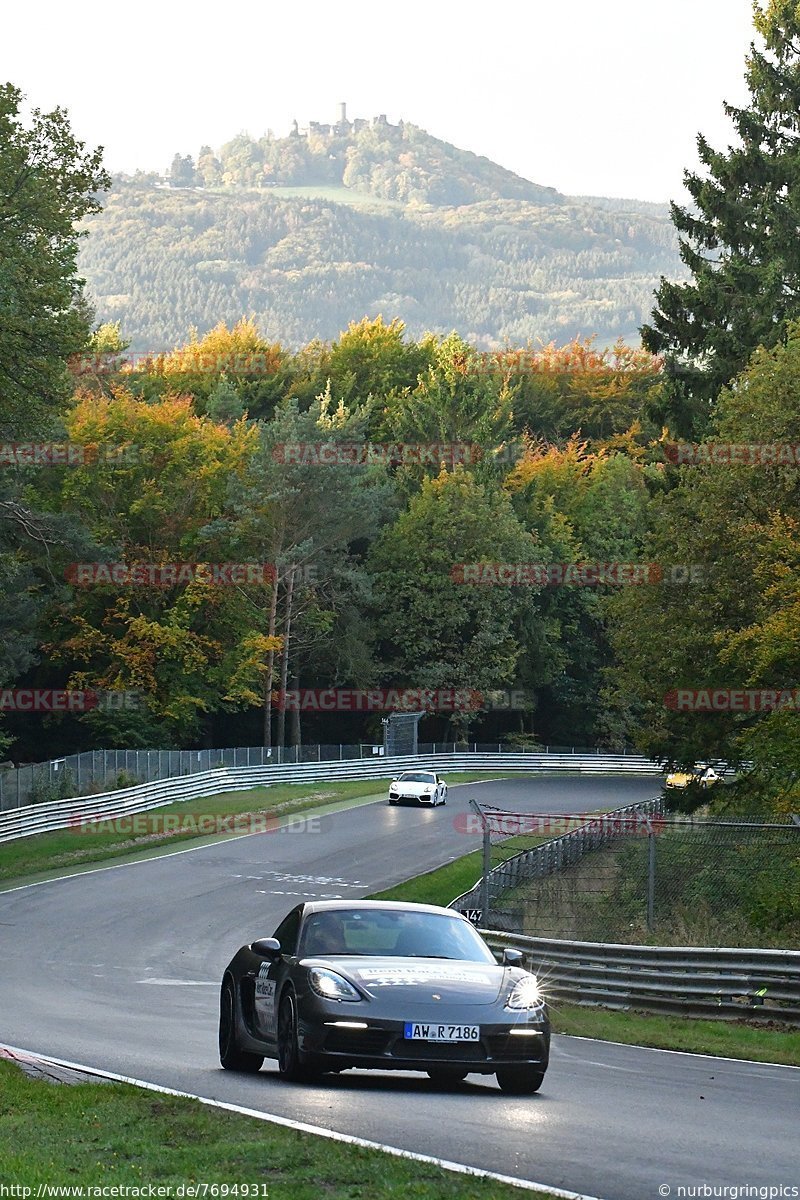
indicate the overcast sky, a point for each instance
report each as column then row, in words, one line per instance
column 601, row 97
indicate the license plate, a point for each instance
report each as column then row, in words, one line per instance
column 418, row 1032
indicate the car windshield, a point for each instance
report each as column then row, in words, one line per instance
column 416, row 777
column 395, row 933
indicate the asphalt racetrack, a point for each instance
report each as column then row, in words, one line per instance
column 119, row 969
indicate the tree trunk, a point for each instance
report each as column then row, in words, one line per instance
column 273, row 612
column 287, row 633
column 294, row 717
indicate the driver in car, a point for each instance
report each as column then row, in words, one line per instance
column 326, row 935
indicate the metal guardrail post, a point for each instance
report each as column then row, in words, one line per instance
column 487, row 862
column 651, row 875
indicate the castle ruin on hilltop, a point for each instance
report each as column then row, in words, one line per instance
column 340, row 127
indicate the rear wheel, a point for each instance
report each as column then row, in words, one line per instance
column 231, row 1057
column 291, row 1064
column 520, row 1081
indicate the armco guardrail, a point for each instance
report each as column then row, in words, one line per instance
column 62, row 814
column 94, row 771
column 762, row 984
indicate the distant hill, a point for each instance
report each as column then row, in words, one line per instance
column 392, row 162
column 311, row 231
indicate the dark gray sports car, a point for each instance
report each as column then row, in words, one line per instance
column 386, row 986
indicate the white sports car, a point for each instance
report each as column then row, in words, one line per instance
column 423, row 787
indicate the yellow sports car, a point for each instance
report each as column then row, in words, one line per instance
column 701, row 774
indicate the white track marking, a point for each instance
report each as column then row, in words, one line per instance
column 302, row 1127
column 181, row 982
column 749, row 1062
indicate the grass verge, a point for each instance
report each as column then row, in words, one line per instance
column 730, row 1039
column 32, row 858
column 69, row 848
column 759, row 1041
column 114, row 1134
column 445, row 883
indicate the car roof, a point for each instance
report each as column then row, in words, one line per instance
column 385, row 905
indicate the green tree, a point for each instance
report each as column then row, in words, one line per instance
column 590, row 508
column 48, row 182
column 735, row 626
column 739, row 236
column 182, row 172
column 435, row 631
column 313, row 523
column 455, row 402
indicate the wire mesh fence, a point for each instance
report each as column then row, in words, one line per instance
column 97, row 771
column 637, row 876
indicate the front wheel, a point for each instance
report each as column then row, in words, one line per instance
column 230, row 1056
column 520, row 1081
column 290, row 1060
column 391, row 801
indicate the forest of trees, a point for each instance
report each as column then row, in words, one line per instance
column 393, row 162
column 184, row 463
column 390, row 222
column 183, row 458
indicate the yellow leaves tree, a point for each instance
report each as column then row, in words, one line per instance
column 158, row 474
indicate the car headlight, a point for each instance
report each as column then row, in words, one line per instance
column 525, row 995
column 331, row 986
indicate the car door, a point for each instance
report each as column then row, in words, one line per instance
column 271, row 974
column 440, row 788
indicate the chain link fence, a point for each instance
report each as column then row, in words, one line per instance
column 636, row 877
column 98, row 771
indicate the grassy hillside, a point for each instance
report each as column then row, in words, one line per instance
column 497, row 271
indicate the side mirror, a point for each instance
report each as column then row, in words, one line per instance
column 512, row 958
column 266, row 947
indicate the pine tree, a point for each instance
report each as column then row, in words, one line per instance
column 739, row 238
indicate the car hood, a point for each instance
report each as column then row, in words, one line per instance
column 452, row 980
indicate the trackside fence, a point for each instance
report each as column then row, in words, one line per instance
column 63, row 814
column 721, row 983
column 100, row 771
column 551, row 857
